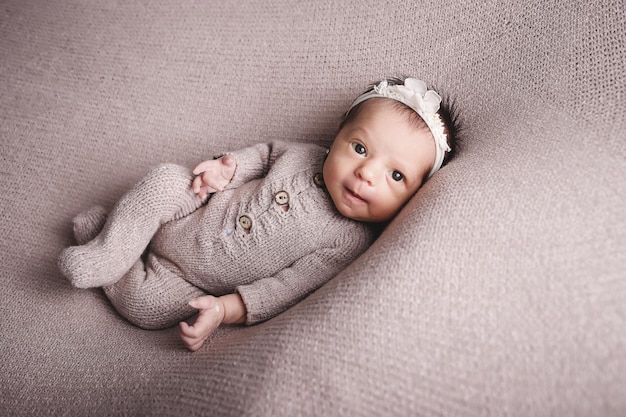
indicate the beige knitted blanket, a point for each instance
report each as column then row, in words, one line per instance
column 498, row 290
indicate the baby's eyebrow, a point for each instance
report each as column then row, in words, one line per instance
column 404, row 167
column 361, row 131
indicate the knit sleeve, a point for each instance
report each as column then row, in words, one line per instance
column 271, row 296
column 253, row 162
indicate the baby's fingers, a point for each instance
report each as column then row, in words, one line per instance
column 189, row 336
column 205, row 302
column 200, row 187
column 187, row 331
column 193, row 346
column 196, row 184
column 203, row 166
column 212, row 182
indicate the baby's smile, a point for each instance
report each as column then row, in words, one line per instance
column 355, row 196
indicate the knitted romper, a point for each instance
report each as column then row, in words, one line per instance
column 273, row 235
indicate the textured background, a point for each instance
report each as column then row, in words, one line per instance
column 499, row 290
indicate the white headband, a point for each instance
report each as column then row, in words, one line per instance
column 423, row 101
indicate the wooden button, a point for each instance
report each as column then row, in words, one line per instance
column 245, row 222
column 282, row 198
column 318, row 179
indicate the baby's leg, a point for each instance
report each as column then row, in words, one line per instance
column 154, row 297
column 163, row 195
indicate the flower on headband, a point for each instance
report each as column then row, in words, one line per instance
column 416, row 93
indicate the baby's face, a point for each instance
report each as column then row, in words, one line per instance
column 377, row 162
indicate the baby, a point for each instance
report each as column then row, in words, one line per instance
column 260, row 228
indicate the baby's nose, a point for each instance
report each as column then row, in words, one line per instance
column 366, row 173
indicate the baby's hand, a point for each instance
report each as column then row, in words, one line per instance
column 213, row 175
column 210, row 317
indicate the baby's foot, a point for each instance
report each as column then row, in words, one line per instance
column 89, row 223
column 89, row 266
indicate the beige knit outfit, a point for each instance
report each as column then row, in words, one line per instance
column 273, row 235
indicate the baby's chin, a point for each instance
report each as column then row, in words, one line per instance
column 360, row 217
column 349, row 213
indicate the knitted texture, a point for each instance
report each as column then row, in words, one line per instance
column 265, row 258
column 497, row 291
column 163, row 195
column 88, row 224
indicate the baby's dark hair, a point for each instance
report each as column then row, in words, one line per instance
column 448, row 111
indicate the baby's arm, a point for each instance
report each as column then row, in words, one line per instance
column 268, row 297
column 228, row 309
column 236, row 168
column 213, row 175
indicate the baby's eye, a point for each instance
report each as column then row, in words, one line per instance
column 358, row 148
column 397, row 176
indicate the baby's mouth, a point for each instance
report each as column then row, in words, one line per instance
column 355, row 195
